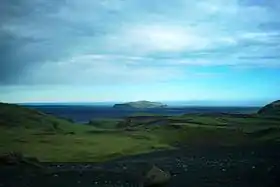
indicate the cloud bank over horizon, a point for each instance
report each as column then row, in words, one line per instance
column 186, row 46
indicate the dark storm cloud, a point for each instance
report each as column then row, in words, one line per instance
column 34, row 32
column 31, row 34
column 9, row 10
column 8, row 63
column 14, row 57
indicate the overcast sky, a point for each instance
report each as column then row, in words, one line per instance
column 122, row 50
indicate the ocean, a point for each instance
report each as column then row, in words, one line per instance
column 85, row 113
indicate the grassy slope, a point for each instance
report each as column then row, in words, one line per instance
column 78, row 147
column 32, row 133
column 272, row 109
column 104, row 123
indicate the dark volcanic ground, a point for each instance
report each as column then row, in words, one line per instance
column 246, row 166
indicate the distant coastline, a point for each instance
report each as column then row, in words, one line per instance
column 178, row 103
column 84, row 113
column 140, row 105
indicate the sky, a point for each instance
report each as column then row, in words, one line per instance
column 126, row 50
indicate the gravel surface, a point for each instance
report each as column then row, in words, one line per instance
column 247, row 166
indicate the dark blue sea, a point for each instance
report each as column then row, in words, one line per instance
column 84, row 113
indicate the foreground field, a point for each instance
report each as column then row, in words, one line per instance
column 95, row 143
column 49, row 138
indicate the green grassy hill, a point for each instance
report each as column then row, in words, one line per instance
column 15, row 116
column 55, row 139
column 272, row 109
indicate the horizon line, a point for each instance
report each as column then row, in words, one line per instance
column 187, row 103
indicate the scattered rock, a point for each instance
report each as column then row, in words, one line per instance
column 70, row 133
column 155, row 176
column 16, row 158
column 11, row 158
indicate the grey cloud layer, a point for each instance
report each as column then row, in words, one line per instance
column 38, row 37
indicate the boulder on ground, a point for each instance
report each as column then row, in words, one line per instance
column 155, row 177
column 16, row 158
column 10, row 158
